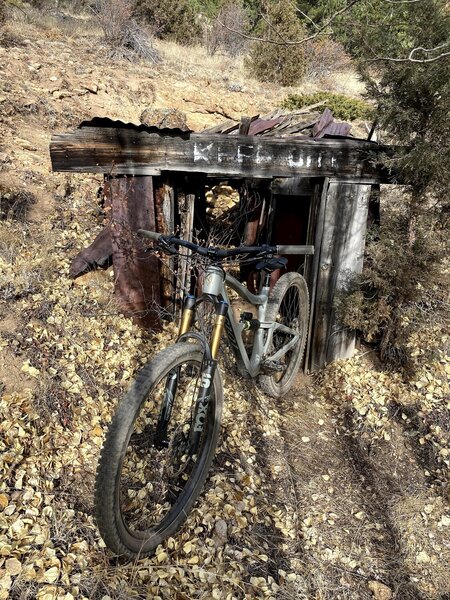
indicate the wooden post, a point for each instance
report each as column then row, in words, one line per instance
column 340, row 243
column 137, row 280
column 165, row 220
column 186, row 206
column 313, row 343
column 348, row 260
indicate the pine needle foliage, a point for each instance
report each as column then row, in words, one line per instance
column 400, row 48
column 171, row 19
column 340, row 105
column 276, row 61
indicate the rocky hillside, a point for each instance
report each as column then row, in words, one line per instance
column 338, row 492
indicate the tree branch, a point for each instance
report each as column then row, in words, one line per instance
column 308, row 18
column 320, row 30
column 411, row 56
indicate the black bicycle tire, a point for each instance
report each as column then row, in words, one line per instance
column 266, row 381
column 113, row 530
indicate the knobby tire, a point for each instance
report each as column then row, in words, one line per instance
column 125, row 483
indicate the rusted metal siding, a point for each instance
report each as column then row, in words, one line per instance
column 136, row 274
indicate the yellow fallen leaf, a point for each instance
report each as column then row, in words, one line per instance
column 13, row 566
column 3, row 501
column 50, row 575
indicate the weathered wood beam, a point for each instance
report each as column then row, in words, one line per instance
column 128, row 151
column 165, row 221
column 340, row 240
column 292, row 186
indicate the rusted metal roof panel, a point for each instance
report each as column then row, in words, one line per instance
column 117, row 124
column 283, row 124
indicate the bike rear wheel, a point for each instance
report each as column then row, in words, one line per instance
column 150, row 473
column 288, row 306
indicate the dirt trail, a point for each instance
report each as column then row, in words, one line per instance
column 364, row 508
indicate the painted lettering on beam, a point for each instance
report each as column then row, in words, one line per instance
column 262, row 157
column 243, row 153
column 202, row 153
column 295, row 160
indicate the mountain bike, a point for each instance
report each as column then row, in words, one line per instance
column 162, row 438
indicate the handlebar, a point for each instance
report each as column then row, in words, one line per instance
column 169, row 241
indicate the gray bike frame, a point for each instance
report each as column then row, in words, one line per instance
column 216, row 283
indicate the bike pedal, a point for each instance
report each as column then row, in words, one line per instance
column 272, row 365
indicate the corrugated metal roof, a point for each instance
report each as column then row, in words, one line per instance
column 278, row 124
column 117, row 124
column 282, row 124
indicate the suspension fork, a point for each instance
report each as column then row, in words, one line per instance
column 170, row 390
column 207, row 378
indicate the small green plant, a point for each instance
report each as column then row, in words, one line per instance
column 341, row 106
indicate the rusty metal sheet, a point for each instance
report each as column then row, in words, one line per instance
column 337, row 129
column 136, row 273
column 116, row 124
column 262, row 125
column 97, row 255
column 325, row 120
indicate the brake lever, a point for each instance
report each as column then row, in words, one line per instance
column 166, row 247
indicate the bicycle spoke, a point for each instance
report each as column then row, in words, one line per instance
column 154, row 475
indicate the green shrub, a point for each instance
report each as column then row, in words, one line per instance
column 341, row 106
column 277, row 61
column 171, row 19
column 402, row 294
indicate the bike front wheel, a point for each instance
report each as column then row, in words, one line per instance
column 288, row 309
column 151, row 471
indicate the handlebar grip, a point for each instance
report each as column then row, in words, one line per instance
column 295, row 249
column 149, row 234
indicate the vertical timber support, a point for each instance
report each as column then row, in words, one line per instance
column 342, row 226
column 186, row 206
column 165, row 222
column 316, row 239
column 137, row 282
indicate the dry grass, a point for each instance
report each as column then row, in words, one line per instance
column 55, row 25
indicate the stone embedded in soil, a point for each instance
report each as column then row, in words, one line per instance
column 164, row 117
column 60, row 94
column 220, row 532
column 379, row 590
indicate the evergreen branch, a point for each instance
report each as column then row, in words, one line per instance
column 320, row 30
column 305, row 16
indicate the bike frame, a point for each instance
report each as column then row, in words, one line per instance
column 215, row 290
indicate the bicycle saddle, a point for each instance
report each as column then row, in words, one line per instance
column 271, row 264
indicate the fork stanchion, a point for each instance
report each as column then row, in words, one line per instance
column 221, row 314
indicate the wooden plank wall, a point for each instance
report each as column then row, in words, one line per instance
column 340, row 241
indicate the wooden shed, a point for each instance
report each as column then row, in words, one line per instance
column 300, row 181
